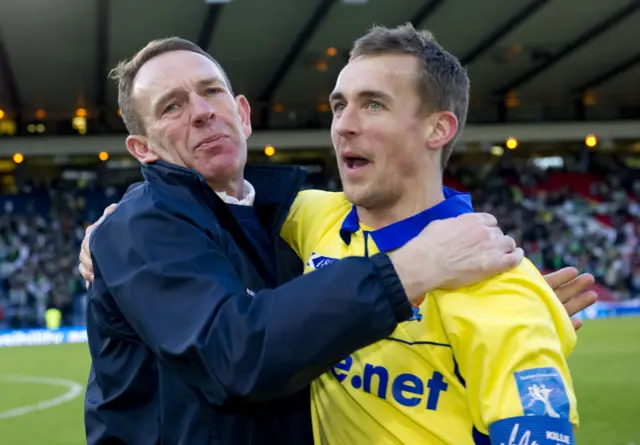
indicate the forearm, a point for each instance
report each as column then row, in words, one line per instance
column 198, row 319
column 340, row 309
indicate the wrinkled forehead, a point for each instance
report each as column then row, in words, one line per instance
column 174, row 70
column 392, row 73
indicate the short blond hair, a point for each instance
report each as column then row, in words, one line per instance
column 125, row 73
column 443, row 84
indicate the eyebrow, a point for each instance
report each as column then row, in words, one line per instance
column 365, row 94
column 176, row 91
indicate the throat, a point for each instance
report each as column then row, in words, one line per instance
column 234, row 189
column 408, row 205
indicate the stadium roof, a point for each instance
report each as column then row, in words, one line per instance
column 529, row 60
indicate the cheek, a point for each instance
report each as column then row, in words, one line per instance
column 229, row 114
column 395, row 157
column 394, row 168
column 407, row 164
column 409, row 152
column 174, row 135
column 173, row 139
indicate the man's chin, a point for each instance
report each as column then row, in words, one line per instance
column 356, row 194
column 222, row 169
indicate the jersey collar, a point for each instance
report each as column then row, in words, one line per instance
column 398, row 234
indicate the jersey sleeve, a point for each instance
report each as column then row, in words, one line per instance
column 308, row 216
column 297, row 226
column 511, row 338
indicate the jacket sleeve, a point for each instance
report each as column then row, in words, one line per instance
column 112, row 401
column 183, row 297
column 108, row 413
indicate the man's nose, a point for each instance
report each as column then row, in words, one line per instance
column 202, row 110
column 347, row 123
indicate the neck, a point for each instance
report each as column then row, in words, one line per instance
column 234, row 188
column 413, row 201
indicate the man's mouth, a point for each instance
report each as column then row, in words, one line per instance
column 211, row 140
column 355, row 162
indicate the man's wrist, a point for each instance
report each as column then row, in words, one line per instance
column 393, row 286
column 415, row 285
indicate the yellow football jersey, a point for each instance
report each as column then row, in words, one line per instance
column 479, row 365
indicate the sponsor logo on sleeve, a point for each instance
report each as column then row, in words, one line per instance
column 542, row 393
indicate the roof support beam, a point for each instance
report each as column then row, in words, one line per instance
column 299, row 43
column 502, row 31
column 581, row 41
column 10, row 83
column 209, row 25
column 600, row 80
column 103, row 11
column 426, row 10
column 611, row 74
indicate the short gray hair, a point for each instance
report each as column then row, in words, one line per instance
column 125, row 73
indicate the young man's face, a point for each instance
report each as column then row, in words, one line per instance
column 378, row 131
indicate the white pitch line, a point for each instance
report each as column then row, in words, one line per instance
column 74, row 390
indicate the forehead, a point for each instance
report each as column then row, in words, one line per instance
column 172, row 70
column 392, row 73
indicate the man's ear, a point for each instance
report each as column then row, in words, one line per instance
column 244, row 110
column 443, row 128
column 138, row 146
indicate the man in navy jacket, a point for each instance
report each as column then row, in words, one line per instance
column 199, row 331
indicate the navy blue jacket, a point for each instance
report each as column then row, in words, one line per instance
column 190, row 345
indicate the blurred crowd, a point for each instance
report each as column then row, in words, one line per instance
column 40, row 234
column 567, row 219
column 560, row 218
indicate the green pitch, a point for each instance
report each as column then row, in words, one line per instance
column 605, row 368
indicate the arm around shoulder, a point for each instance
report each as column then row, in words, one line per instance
column 182, row 295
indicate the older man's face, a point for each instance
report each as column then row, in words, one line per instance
column 191, row 116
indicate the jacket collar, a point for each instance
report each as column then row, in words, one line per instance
column 161, row 171
column 398, row 234
column 275, row 187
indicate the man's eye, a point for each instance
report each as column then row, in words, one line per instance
column 338, row 106
column 214, row 90
column 171, row 108
column 375, row 105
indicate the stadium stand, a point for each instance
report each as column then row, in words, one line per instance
column 561, row 218
column 41, row 229
column 557, row 78
column 564, row 218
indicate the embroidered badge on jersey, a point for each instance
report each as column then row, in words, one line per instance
column 317, row 261
column 542, row 393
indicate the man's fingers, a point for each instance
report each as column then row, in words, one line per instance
column 510, row 260
column 574, row 287
column 561, row 277
column 86, row 274
column 109, row 210
column 486, row 218
column 577, row 323
column 85, row 261
column 85, row 252
column 506, row 244
column 580, row 302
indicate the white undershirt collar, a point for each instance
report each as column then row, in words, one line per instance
column 249, row 194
